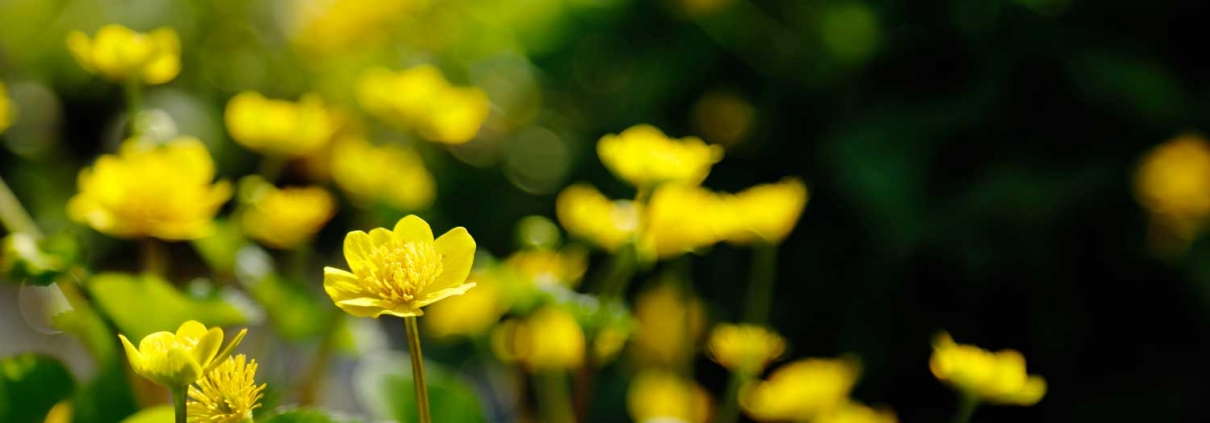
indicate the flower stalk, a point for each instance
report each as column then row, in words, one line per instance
column 422, row 394
column 966, row 409
column 178, row 404
column 760, row 287
column 134, row 103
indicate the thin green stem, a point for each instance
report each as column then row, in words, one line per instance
column 966, row 409
column 13, row 216
column 422, row 393
column 554, row 400
column 620, row 270
column 729, row 411
column 154, row 257
column 178, row 403
column 760, row 286
column 134, row 103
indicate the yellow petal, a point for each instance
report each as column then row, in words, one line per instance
column 208, row 346
column 362, row 306
column 191, row 330
column 185, row 370
column 341, row 285
column 401, row 310
column 413, row 228
column 457, row 250
column 81, row 49
column 132, row 354
column 357, row 249
column 167, row 62
column 444, row 293
column 380, row 236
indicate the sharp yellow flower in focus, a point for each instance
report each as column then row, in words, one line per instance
column 118, row 54
column 227, row 394
column 1173, row 184
column 768, row 212
column 683, row 218
column 166, row 192
column 283, row 218
column 644, row 157
column 854, row 412
column 663, row 336
column 420, row 98
column 279, row 127
column 471, row 313
column 548, row 339
column 586, row 213
column 993, row 377
column 8, row 113
column 661, row 395
column 801, row 390
column 399, row 271
column 745, row 348
column 178, row 359
column 550, row 267
column 392, row 174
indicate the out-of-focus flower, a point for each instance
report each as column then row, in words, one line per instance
column 660, row 394
column 1173, row 184
column 723, row 118
column 165, row 192
column 335, row 26
column 993, row 377
column 420, row 98
column 283, row 217
column 767, row 212
column 643, row 156
column 178, row 359
column 471, row 313
column 399, row 271
column 549, row 267
column 682, row 218
column 8, row 113
column 801, row 390
column 745, row 348
column 669, row 326
column 279, row 127
column 390, row 173
column 608, row 343
column 60, row 413
column 548, row 339
column 586, row 213
column 855, row 412
column 118, row 53
column 227, row 394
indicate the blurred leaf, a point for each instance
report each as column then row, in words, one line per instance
column 220, row 248
column 306, row 415
column 294, row 313
column 107, row 398
column 1136, row 86
column 384, row 384
column 141, row 305
column 30, row 384
column 157, row 414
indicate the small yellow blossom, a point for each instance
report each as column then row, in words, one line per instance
column 279, row 127
column 455, row 115
column 767, row 212
column 660, row 394
column 165, row 192
column 663, row 336
column 683, row 218
column 118, row 53
column 7, row 110
column 745, row 348
column 471, row 313
column 227, row 394
column 1173, row 184
column 283, row 217
column 178, row 359
column 422, row 99
column 548, row 339
column 644, row 157
column 550, row 267
column 801, row 390
column 389, row 173
column 586, row 213
column 854, row 412
column 334, row 27
column 994, row 377
column 399, row 271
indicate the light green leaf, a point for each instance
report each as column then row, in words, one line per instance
column 294, row 313
column 141, row 305
column 157, row 414
column 30, row 384
column 307, row 415
column 384, row 385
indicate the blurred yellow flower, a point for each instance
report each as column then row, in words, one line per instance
column 389, row 173
column 398, row 272
column 227, row 394
column 767, row 212
column 682, row 218
column 8, row 113
column 548, row 339
column 661, row 395
column 335, row 26
column 118, row 53
column 471, row 313
column 283, row 217
column 661, row 337
column 854, row 412
column 422, row 99
column 1173, row 183
column 279, row 127
column 455, row 115
column 801, row 390
column 607, row 344
column 745, row 348
column 549, row 267
column 165, row 192
column 178, row 359
column 586, row 213
column 994, row 377
column 644, row 157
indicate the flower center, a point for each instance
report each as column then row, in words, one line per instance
column 400, row 270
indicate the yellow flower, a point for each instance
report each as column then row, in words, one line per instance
column 683, row 218
column 994, row 377
column 455, row 115
column 283, row 217
column 608, row 343
column 398, row 272
column 163, row 191
column 586, row 213
column 389, row 173
column 178, row 359
column 118, row 53
column 471, row 313
column 278, row 127
column 801, row 390
column 745, row 348
column 854, row 412
column 645, row 157
column 550, row 267
column 335, row 27
column 7, row 111
column 767, row 212
column 227, row 394
column 656, row 395
column 1173, row 183
column 422, row 99
column 663, row 336
column 548, row 339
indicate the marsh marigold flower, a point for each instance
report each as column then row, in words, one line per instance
column 279, row 127
column 471, row 313
column 166, row 192
column 118, row 53
column 801, row 390
column 854, row 412
column 1173, row 184
column 669, row 326
column 227, row 394
column 548, row 339
column 7, row 111
column 283, row 217
column 586, row 213
column 421, row 99
column 178, row 359
column 682, row 218
column 993, row 377
column 550, row 267
column 392, row 174
column 661, row 394
column 767, row 212
column 645, row 157
column 745, row 348
column 399, row 271
column 335, row 27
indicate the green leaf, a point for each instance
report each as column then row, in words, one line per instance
column 384, row 384
column 306, row 415
column 30, row 384
column 107, row 397
column 157, row 414
column 141, row 305
column 294, row 313
column 219, row 249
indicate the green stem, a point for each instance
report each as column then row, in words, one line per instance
column 178, row 403
column 308, row 391
column 422, row 393
column 554, row 401
column 729, row 411
column 154, row 257
column 620, row 270
column 760, row 286
column 13, row 216
column 966, row 409
column 134, row 103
